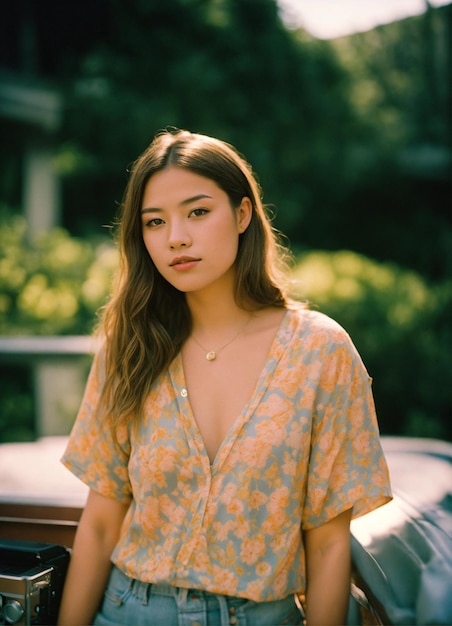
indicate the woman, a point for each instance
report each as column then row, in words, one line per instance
column 227, row 434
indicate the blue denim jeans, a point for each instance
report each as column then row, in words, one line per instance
column 133, row 603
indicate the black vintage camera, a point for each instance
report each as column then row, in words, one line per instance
column 31, row 581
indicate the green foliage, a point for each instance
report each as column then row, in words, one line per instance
column 401, row 327
column 398, row 192
column 348, row 137
column 17, row 417
column 53, row 285
column 400, row 85
column 224, row 67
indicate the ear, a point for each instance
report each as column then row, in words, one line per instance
column 244, row 214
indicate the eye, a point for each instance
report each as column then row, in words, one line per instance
column 155, row 221
column 198, row 212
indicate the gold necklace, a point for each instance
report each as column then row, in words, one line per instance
column 211, row 355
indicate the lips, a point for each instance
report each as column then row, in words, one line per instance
column 183, row 260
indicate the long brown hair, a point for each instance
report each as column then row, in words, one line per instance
column 147, row 320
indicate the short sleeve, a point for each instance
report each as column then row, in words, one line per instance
column 93, row 453
column 347, row 468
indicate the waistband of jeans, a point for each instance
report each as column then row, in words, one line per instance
column 162, row 589
column 142, row 589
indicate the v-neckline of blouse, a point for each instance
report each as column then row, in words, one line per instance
column 177, row 376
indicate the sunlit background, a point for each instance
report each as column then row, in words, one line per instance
column 342, row 107
column 328, row 19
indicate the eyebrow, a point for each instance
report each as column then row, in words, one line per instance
column 183, row 203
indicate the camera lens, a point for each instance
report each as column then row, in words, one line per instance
column 12, row 612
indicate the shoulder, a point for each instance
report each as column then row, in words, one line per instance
column 315, row 328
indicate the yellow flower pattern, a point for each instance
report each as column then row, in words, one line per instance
column 304, row 449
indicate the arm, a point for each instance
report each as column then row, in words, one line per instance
column 328, row 571
column 90, row 564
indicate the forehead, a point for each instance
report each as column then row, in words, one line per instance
column 174, row 185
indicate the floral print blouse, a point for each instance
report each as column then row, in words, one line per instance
column 304, row 449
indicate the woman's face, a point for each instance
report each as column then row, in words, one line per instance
column 190, row 230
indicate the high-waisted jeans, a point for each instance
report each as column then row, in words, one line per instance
column 133, row 603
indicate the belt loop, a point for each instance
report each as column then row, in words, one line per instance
column 181, row 595
column 141, row 591
column 117, row 573
column 225, row 616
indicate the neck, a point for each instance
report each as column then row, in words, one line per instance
column 217, row 324
column 214, row 308
column 212, row 315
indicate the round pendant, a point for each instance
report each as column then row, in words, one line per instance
column 211, row 356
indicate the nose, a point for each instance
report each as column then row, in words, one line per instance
column 178, row 236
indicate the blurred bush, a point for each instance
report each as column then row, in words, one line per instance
column 54, row 284
column 50, row 286
column 401, row 327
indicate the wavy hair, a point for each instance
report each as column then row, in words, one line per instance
column 147, row 320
